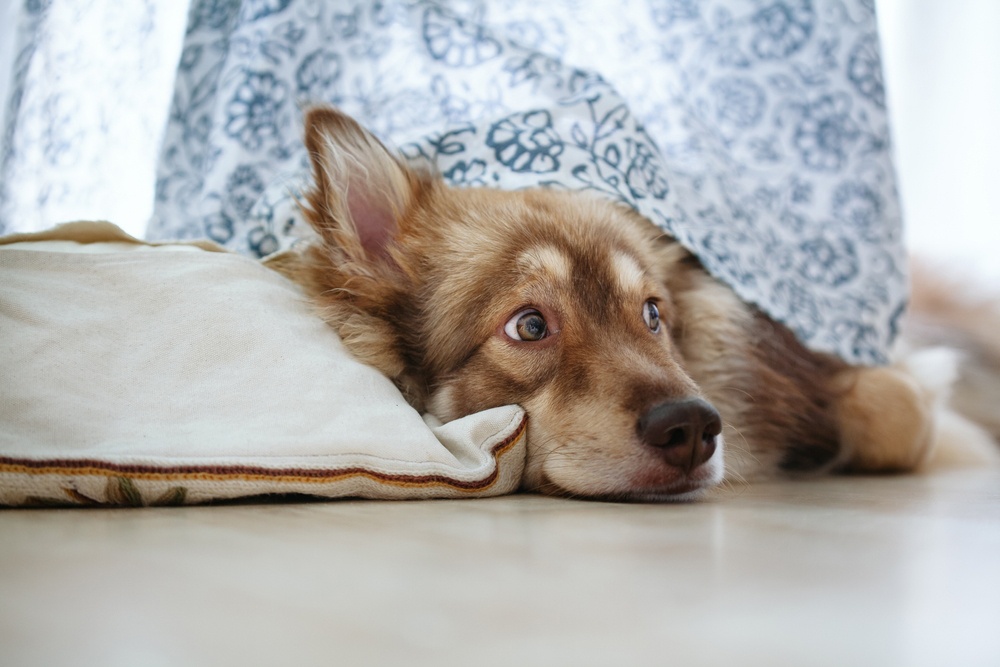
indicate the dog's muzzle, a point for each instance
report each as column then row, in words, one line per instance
column 683, row 432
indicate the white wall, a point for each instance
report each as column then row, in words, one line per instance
column 942, row 68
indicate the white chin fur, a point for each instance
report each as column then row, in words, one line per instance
column 441, row 404
column 705, row 478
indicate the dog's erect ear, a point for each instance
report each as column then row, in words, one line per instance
column 361, row 190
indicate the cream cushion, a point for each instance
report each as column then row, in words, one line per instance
column 141, row 374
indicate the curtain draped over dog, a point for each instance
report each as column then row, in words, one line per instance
column 754, row 131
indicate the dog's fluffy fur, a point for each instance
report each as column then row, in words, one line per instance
column 428, row 283
column 950, row 312
column 949, row 338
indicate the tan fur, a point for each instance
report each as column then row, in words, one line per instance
column 885, row 419
column 426, row 301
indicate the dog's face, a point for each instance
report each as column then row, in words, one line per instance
column 477, row 298
column 554, row 302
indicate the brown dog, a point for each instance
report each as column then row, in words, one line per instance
column 637, row 369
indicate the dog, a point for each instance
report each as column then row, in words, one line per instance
column 644, row 378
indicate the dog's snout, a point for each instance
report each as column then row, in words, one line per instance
column 683, row 431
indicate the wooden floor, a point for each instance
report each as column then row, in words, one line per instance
column 845, row 571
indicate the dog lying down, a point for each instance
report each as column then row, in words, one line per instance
column 643, row 377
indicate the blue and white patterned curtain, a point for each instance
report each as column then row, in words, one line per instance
column 754, row 131
column 89, row 89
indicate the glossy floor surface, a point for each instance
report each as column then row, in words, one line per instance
column 843, row 571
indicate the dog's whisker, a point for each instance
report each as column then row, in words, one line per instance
column 742, row 391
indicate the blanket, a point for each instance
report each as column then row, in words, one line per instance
column 753, row 131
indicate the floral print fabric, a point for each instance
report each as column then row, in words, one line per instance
column 89, row 90
column 753, row 131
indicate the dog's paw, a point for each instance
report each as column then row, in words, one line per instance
column 886, row 419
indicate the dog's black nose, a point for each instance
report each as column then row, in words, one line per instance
column 683, row 431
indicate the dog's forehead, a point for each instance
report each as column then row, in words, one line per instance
column 525, row 245
column 547, row 260
column 615, row 270
column 629, row 276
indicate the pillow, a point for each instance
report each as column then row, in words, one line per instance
column 144, row 374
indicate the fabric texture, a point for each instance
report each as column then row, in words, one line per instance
column 753, row 131
column 89, row 91
column 136, row 375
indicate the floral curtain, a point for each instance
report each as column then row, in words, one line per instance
column 754, row 131
column 90, row 86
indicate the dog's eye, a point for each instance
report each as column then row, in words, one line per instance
column 651, row 314
column 527, row 325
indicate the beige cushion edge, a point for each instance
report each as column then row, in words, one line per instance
column 24, row 482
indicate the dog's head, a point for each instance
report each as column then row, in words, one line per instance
column 475, row 298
